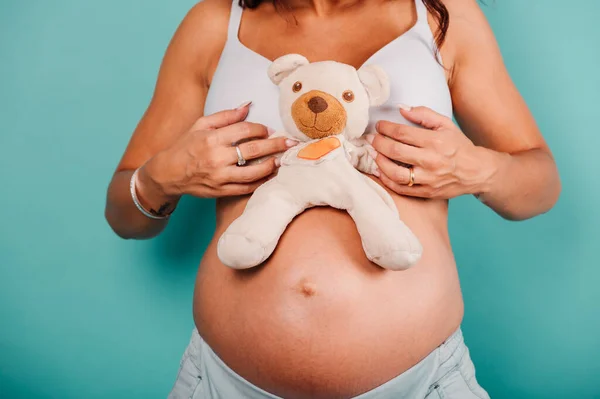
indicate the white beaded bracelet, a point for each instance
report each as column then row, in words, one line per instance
column 136, row 201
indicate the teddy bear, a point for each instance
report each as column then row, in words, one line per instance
column 324, row 105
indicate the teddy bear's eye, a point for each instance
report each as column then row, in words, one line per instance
column 297, row 87
column 348, row 96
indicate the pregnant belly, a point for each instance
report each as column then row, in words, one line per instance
column 319, row 320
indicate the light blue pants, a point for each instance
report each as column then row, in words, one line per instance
column 447, row 373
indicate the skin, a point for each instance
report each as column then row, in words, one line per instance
column 318, row 320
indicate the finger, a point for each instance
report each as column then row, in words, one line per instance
column 260, row 148
column 241, row 131
column 391, row 184
column 401, row 189
column 251, row 173
column 401, row 152
column 415, row 136
column 400, row 174
column 233, row 189
column 425, row 117
column 222, row 118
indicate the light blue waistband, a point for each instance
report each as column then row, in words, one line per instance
column 221, row 382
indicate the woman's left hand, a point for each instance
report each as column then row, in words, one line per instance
column 446, row 163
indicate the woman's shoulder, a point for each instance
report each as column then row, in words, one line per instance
column 210, row 14
column 207, row 17
column 469, row 33
column 202, row 34
column 468, row 22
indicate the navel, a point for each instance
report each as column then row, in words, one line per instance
column 308, row 288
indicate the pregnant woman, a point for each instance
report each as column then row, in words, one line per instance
column 318, row 319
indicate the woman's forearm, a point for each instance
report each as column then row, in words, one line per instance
column 521, row 185
column 122, row 214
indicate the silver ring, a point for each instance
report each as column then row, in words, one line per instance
column 241, row 160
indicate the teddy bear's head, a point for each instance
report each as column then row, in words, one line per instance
column 326, row 98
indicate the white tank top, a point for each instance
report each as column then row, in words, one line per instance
column 416, row 76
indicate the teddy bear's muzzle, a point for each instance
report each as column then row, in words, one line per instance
column 318, row 114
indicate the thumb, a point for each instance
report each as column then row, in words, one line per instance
column 425, row 117
column 222, row 118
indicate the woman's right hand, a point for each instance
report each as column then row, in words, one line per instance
column 203, row 161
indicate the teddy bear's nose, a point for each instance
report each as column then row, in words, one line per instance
column 317, row 104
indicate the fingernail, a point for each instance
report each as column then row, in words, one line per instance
column 291, row 143
column 270, row 131
column 377, row 125
column 376, row 172
column 277, row 162
column 404, row 107
column 244, row 105
column 370, row 137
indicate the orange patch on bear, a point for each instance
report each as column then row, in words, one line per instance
column 319, row 149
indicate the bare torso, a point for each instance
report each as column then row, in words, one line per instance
column 318, row 319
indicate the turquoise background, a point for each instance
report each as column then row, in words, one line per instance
column 84, row 314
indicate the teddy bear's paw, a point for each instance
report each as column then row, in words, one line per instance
column 240, row 252
column 398, row 260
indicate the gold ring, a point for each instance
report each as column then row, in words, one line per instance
column 411, row 179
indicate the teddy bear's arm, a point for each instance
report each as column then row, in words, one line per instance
column 361, row 155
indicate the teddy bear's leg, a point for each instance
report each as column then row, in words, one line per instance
column 253, row 236
column 387, row 241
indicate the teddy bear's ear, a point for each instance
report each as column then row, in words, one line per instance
column 284, row 65
column 376, row 82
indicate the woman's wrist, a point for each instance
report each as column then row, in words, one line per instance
column 151, row 190
column 491, row 163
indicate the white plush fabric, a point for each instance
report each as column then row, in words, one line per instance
column 332, row 180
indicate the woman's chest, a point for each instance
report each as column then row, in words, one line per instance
column 406, row 53
column 416, row 79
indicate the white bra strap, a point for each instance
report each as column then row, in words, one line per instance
column 235, row 18
column 421, row 12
